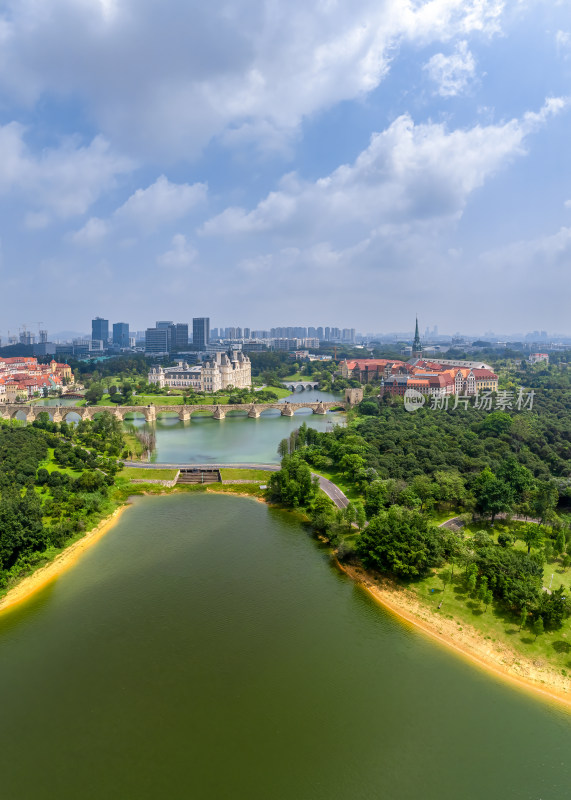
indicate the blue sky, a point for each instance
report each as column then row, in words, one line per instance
column 268, row 163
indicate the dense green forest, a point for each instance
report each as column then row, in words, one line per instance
column 54, row 483
column 407, row 471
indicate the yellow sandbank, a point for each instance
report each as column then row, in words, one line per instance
column 494, row 657
column 44, row 575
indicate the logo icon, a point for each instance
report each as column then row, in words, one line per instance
column 413, row 400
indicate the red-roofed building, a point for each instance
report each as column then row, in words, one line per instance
column 366, row 370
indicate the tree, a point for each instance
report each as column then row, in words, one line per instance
column 445, row 576
column 554, row 608
column 483, row 588
column 505, row 539
column 560, row 543
column 522, row 617
column 482, row 539
column 423, row 488
column 538, row 627
column 400, row 541
column 94, row 393
column 360, row 517
column 292, row 485
column 518, row 477
column 544, row 499
column 322, row 513
column 283, row 448
column 350, row 464
column 492, row 494
column 487, row 598
column 532, row 535
column 450, row 487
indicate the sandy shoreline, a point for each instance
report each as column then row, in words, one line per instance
column 495, row 657
column 49, row 572
column 32, row 583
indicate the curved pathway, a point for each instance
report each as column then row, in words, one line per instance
column 331, row 490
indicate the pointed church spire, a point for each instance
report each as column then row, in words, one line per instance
column 416, row 345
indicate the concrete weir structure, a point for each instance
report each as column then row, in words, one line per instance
column 150, row 412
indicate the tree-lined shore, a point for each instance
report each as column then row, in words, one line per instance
column 503, row 566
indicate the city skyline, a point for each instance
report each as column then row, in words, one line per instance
column 409, row 151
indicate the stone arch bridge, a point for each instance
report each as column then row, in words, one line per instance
column 150, row 412
column 300, row 386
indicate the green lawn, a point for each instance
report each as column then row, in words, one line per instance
column 178, row 400
column 51, row 466
column 245, row 475
column 281, row 391
column 148, row 474
column 494, row 624
column 297, row 376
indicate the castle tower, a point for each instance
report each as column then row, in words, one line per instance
column 416, row 345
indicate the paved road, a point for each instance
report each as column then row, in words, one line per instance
column 331, row 490
column 147, row 465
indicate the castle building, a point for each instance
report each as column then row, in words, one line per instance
column 221, row 371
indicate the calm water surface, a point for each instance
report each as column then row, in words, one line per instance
column 205, row 648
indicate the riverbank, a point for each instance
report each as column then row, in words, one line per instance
column 495, row 657
column 41, row 577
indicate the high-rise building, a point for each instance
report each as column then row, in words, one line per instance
column 327, row 334
column 246, row 333
column 27, row 337
column 320, row 333
column 121, row 334
column 200, row 332
column 100, row 330
column 181, row 336
column 157, row 340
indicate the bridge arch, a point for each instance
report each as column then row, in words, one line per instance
column 72, row 415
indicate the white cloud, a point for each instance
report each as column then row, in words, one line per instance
column 408, row 175
column 168, row 82
column 160, row 203
column 563, row 43
column 452, row 73
column 181, row 254
column 92, row 233
column 59, row 182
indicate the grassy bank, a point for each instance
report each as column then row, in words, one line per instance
column 139, row 473
column 245, row 475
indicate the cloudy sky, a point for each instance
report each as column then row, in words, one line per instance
column 267, row 162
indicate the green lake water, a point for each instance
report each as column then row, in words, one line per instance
column 206, row 648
